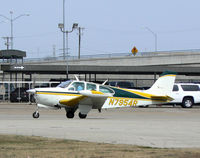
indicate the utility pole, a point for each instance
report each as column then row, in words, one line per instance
column 7, row 43
column 79, row 41
column 64, row 30
column 54, row 51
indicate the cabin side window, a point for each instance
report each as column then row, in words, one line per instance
column 105, row 89
column 91, row 86
column 64, row 84
column 77, row 86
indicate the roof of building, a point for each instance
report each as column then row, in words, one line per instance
column 12, row 54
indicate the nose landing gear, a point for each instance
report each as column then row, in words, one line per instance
column 36, row 114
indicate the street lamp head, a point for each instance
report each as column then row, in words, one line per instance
column 75, row 25
column 61, row 25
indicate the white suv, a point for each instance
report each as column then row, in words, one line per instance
column 186, row 94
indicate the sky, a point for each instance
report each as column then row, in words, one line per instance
column 110, row 26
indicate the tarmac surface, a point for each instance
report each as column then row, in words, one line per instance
column 164, row 127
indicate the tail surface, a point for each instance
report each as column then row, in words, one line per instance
column 164, row 85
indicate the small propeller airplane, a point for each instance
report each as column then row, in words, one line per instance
column 82, row 95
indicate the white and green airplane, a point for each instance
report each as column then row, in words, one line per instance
column 76, row 94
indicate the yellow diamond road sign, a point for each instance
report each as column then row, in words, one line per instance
column 134, row 50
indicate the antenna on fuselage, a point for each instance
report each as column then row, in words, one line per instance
column 76, row 78
column 105, row 82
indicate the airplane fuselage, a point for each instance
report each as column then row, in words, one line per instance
column 73, row 95
column 51, row 97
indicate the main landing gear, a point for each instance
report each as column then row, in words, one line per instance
column 70, row 115
column 82, row 116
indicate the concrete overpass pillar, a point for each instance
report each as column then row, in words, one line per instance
column 154, row 77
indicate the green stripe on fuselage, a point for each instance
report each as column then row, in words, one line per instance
column 126, row 94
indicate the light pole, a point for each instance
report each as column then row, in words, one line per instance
column 11, row 19
column 63, row 29
column 155, row 35
column 61, row 26
column 79, row 43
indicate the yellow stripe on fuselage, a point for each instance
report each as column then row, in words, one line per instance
column 149, row 96
column 96, row 92
column 138, row 99
column 52, row 93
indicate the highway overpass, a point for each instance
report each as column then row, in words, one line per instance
column 184, row 63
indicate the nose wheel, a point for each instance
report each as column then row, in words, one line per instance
column 36, row 114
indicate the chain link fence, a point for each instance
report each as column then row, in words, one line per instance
column 16, row 91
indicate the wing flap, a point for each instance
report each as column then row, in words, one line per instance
column 162, row 98
column 73, row 101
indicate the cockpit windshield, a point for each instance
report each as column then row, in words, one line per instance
column 64, row 84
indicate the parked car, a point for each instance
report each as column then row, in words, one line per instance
column 186, row 94
column 44, row 85
column 19, row 95
column 122, row 84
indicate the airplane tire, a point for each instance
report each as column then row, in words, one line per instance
column 70, row 114
column 144, row 106
column 36, row 115
column 82, row 116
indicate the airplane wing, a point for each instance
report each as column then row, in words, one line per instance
column 73, row 101
column 87, row 100
column 93, row 96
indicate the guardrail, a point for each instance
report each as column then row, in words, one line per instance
column 111, row 55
